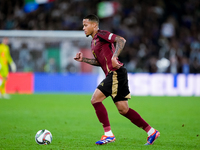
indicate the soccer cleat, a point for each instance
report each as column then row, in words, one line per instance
column 151, row 139
column 5, row 96
column 105, row 139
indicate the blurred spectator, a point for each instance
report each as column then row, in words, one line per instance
column 195, row 66
column 152, row 67
column 173, row 67
column 185, row 65
column 168, row 28
column 25, row 62
column 51, row 67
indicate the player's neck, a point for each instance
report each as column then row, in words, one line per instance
column 95, row 32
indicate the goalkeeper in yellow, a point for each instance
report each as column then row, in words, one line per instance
column 5, row 60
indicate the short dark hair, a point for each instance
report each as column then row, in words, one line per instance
column 92, row 17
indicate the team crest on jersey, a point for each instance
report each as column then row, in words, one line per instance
column 94, row 54
column 94, row 42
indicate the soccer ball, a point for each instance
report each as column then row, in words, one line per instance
column 43, row 137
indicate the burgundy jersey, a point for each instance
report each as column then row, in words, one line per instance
column 103, row 49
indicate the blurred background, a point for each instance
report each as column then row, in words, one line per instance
column 163, row 36
column 154, row 30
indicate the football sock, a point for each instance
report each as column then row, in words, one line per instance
column 151, row 131
column 102, row 115
column 109, row 133
column 135, row 118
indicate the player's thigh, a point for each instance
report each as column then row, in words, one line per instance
column 97, row 96
column 4, row 72
column 122, row 107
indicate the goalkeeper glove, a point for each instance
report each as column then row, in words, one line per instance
column 13, row 67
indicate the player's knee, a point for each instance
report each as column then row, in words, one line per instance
column 122, row 107
column 98, row 96
column 93, row 101
column 122, row 111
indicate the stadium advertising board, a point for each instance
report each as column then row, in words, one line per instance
column 141, row 84
column 20, row 83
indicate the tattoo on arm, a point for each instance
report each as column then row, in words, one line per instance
column 120, row 42
column 93, row 62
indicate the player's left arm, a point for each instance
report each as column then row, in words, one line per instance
column 120, row 42
column 10, row 60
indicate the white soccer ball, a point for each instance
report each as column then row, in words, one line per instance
column 43, row 137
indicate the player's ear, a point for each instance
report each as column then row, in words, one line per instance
column 94, row 24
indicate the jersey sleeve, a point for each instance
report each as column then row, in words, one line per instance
column 110, row 37
column 8, row 56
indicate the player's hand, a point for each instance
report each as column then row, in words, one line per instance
column 79, row 57
column 115, row 63
column 13, row 67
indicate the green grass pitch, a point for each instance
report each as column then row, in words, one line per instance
column 74, row 125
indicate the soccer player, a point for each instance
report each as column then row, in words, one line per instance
column 5, row 60
column 116, row 82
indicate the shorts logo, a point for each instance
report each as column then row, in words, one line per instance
column 101, row 83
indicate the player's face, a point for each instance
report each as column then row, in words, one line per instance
column 88, row 27
column 5, row 41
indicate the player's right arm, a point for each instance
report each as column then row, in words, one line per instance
column 79, row 57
